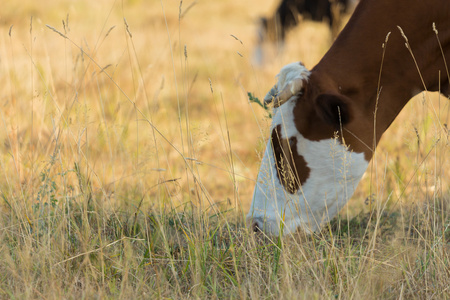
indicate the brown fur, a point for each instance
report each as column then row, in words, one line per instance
column 351, row 69
column 287, row 160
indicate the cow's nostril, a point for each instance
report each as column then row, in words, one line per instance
column 255, row 227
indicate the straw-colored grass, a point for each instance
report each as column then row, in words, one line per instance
column 130, row 148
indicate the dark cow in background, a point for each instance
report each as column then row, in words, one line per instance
column 273, row 29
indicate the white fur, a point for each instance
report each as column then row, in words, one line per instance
column 290, row 83
column 334, row 174
column 291, row 76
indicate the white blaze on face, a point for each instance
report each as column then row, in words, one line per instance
column 334, row 175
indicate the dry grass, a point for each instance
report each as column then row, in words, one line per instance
column 130, row 148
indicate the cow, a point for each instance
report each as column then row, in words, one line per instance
column 287, row 14
column 273, row 29
column 327, row 121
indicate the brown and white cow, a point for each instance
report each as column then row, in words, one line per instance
column 355, row 92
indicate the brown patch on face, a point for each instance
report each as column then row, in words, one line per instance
column 358, row 133
column 292, row 170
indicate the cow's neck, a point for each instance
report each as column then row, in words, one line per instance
column 352, row 65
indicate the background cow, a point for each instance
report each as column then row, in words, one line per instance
column 288, row 14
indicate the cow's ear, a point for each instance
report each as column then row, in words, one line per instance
column 333, row 109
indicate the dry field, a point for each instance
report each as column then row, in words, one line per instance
column 129, row 151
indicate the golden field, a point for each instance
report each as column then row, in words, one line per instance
column 130, row 150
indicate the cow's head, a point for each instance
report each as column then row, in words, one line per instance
column 308, row 172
